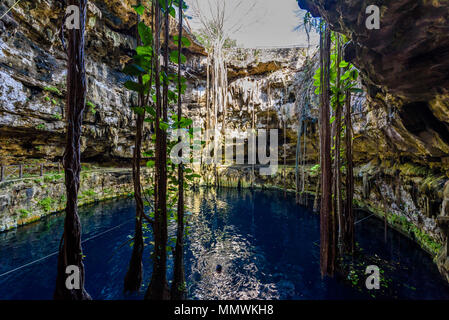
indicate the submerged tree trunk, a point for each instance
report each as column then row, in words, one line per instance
column 133, row 277
column 158, row 288
column 327, row 219
column 348, row 238
column 70, row 250
column 178, row 291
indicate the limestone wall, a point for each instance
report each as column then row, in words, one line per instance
column 26, row 200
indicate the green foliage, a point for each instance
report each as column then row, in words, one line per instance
column 140, row 9
column 140, row 70
column 24, row 213
column 52, row 177
column 41, row 126
column 174, row 57
column 46, row 204
column 57, row 116
column 348, row 79
column 53, row 90
column 315, row 169
column 89, row 193
column 92, row 107
column 184, row 41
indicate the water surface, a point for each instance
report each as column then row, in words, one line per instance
column 267, row 245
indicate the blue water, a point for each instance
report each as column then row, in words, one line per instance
column 267, row 245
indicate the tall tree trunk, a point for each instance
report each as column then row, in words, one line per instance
column 158, row 288
column 303, row 172
column 70, row 250
column 327, row 221
column 285, row 154
column 338, row 198
column 178, row 291
column 349, row 213
column 317, row 193
column 133, row 277
column 298, row 155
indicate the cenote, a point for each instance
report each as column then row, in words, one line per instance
column 267, row 246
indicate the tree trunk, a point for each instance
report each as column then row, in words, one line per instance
column 158, row 288
column 317, row 193
column 303, row 198
column 70, row 250
column 298, row 155
column 338, row 198
column 133, row 277
column 285, row 154
column 178, row 291
column 327, row 220
column 349, row 213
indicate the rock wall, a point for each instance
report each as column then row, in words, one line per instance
column 32, row 81
column 26, row 200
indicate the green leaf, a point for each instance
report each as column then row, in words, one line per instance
column 151, row 163
column 172, row 12
column 140, row 9
column 133, row 86
column 346, row 75
column 145, row 78
column 184, row 123
column 184, row 41
column 172, row 96
column 133, row 70
column 151, row 110
column 354, row 74
column 356, row 90
column 163, row 126
column 144, row 51
column 143, row 61
column 139, row 110
column 174, row 57
column 343, row 64
column 145, row 34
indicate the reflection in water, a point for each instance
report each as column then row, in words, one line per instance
column 267, row 246
column 216, row 243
